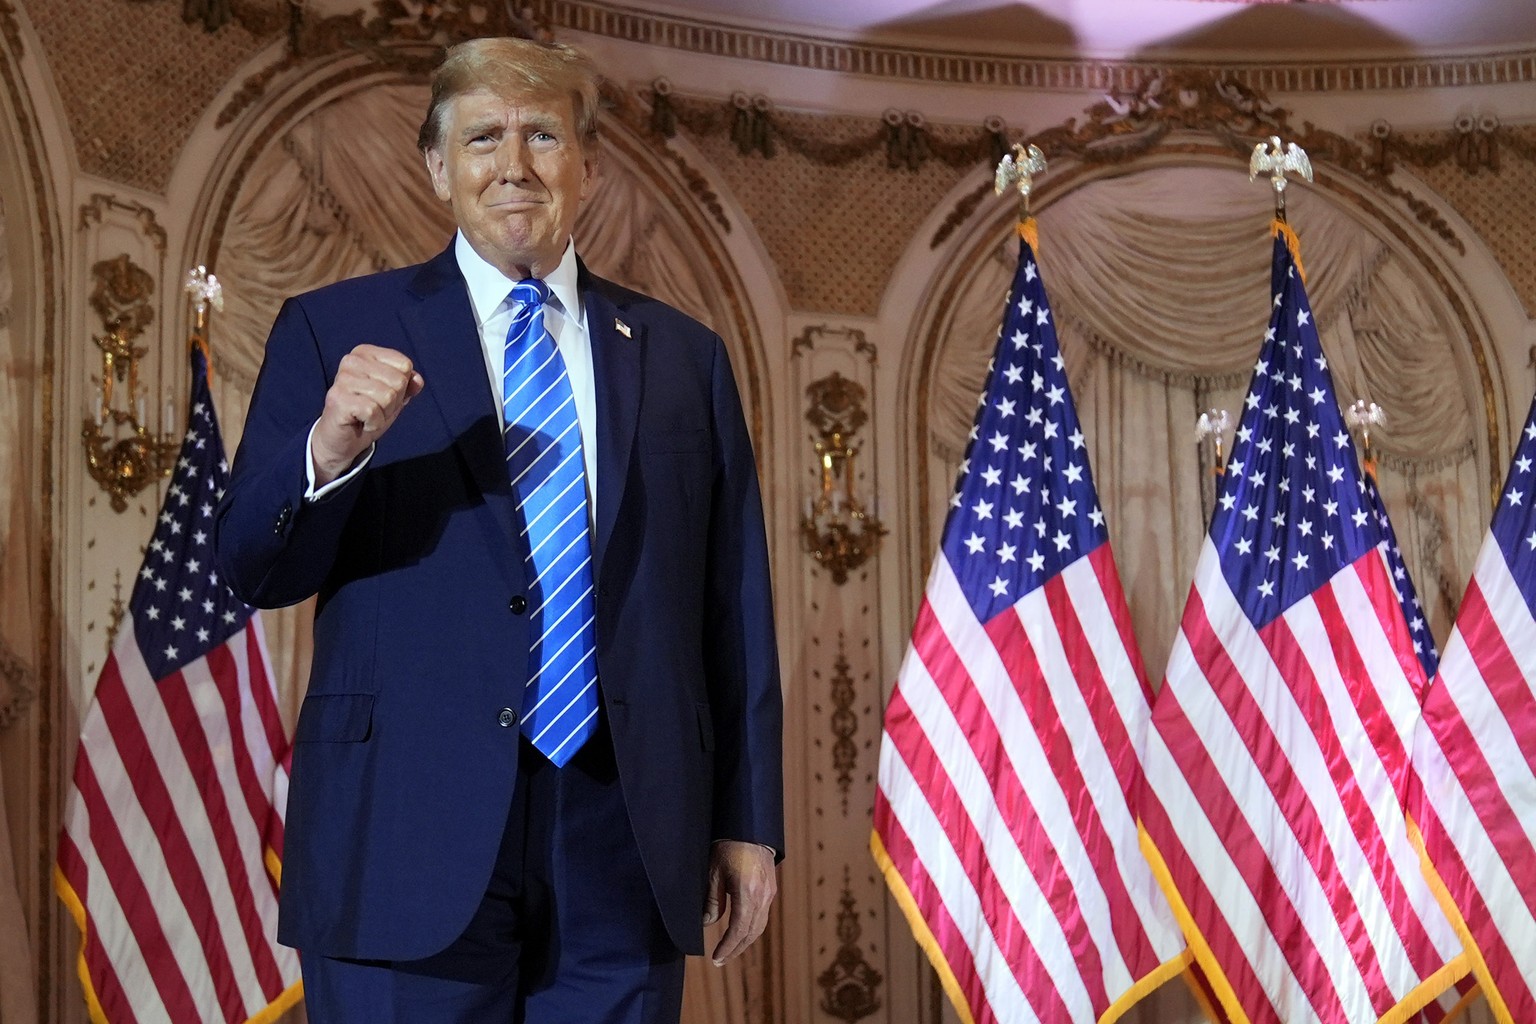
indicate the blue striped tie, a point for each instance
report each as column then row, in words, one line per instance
column 549, row 481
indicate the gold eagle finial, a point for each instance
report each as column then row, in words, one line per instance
column 1277, row 161
column 1018, row 169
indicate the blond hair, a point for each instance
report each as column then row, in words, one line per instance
column 512, row 67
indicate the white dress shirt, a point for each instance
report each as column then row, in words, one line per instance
column 566, row 321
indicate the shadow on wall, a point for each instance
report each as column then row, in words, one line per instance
column 961, row 23
column 1260, row 30
column 1284, row 31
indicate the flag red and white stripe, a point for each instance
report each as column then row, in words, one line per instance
column 1277, row 757
column 1476, row 753
column 1281, row 739
column 169, row 853
column 1011, row 744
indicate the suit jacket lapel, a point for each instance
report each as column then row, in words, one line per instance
column 616, row 369
column 445, row 345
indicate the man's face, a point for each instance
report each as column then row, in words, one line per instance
column 515, row 173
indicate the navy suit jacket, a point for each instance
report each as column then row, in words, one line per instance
column 403, row 771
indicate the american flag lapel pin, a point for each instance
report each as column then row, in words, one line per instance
column 622, row 328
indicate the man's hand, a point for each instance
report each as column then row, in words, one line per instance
column 744, row 873
column 372, row 385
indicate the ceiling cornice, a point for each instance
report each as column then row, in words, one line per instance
column 956, row 67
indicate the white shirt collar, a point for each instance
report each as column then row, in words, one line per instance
column 488, row 287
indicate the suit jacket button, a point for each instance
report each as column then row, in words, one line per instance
column 507, row 718
column 518, row 604
column 282, row 519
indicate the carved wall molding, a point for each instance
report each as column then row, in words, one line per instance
column 120, row 295
column 695, row 35
column 836, row 405
column 255, row 18
column 93, row 211
column 658, row 121
column 1127, row 125
column 850, row 987
column 749, row 121
column 20, row 683
column 858, row 341
column 35, row 204
column 1165, row 112
column 428, row 26
column 1474, row 143
column 1162, row 110
column 844, row 720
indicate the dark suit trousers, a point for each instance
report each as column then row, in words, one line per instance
column 567, row 933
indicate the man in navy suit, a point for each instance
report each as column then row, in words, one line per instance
column 446, row 862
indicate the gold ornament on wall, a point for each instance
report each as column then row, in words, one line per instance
column 850, row 987
column 837, row 531
column 120, row 452
column 845, row 723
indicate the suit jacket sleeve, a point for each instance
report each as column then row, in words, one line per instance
column 273, row 547
column 741, row 651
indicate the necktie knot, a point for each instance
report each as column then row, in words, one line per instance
column 529, row 292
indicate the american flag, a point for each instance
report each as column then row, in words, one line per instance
column 1012, row 739
column 1280, row 742
column 172, row 833
column 1476, row 750
column 1429, row 660
column 1402, row 584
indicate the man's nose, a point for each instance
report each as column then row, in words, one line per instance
column 513, row 158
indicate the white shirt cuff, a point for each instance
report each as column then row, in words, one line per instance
column 313, row 493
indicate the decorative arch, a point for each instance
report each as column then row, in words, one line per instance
column 35, row 716
column 1170, row 250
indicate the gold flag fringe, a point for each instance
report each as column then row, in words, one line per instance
column 1029, row 230
column 1280, row 229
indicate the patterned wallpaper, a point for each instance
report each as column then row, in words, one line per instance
column 1497, row 196
column 134, row 78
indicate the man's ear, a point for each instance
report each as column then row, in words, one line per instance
column 588, row 170
column 437, row 169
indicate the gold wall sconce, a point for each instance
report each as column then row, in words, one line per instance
column 121, row 453
column 836, row 530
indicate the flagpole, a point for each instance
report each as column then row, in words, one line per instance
column 1211, row 426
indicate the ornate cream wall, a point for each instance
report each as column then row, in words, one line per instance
column 826, row 205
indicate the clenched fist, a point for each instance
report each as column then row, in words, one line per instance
column 372, row 385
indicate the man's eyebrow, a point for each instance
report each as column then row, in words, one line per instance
column 543, row 123
column 485, row 126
